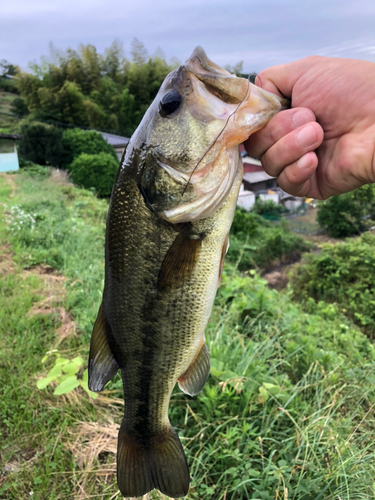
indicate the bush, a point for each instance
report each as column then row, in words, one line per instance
column 19, row 107
column 41, row 144
column 254, row 242
column 9, row 85
column 77, row 141
column 269, row 209
column 95, row 171
column 343, row 274
column 345, row 215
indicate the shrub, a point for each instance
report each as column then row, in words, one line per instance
column 269, row 209
column 19, row 107
column 95, row 171
column 344, row 274
column 41, row 144
column 77, row 141
column 254, row 242
column 345, row 215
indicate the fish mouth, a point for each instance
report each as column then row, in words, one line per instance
column 209, row 196
column 232, row 109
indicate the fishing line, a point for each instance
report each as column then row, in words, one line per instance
column 222, row 130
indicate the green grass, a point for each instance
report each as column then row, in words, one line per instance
column 287, row 412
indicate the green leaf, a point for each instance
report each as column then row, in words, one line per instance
column 85, row 387
column 67, row 386
column 43, row 382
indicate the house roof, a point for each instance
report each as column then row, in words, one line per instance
column 254, row 177
column 15, row 137
column 115, row 141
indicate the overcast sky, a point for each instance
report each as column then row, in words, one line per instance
column 259, row 32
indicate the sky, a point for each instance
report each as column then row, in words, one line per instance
column 260, row 33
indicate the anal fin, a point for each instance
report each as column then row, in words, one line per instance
column 102, row 364
column 193, row 380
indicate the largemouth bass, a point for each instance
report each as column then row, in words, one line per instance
column 169, row 218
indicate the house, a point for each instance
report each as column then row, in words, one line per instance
column 258, row 181
column 117, row 142
column 8, row 152
column 246, row 199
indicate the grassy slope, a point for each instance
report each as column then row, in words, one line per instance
column 287, row 412
column 8, row 124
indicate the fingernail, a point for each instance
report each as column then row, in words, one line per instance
column 302, row 117
column 304, row 161
column 306, row 136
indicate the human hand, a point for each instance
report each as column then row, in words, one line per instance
column 325, row 144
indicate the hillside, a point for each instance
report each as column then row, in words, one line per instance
column 8, row 124
column 287, row 413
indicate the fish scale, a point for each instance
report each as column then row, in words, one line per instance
column 167, row 234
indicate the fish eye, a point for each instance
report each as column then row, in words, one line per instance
column 170, row 102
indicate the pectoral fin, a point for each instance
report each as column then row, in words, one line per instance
column 180, row 260
column 193, row 380
column 102, row 364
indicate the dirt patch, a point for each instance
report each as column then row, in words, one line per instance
column 6, row 262
column 276, row 279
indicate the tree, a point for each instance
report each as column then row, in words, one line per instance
column 85, row 88
column 347, row 214
column 41, row 144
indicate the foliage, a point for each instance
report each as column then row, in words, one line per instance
column 41, row 144
column 288, row 411
column 77, row 141
column 6, row 68
column 95, row 172
column 9, row 85
column 269, row 208
column 99, row 91
column 65, row 372
column 341, row 274
column 345, row 215
column 19, row 107
column 254, row 242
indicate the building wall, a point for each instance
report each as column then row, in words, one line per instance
column 246, row 200
column 8, row 161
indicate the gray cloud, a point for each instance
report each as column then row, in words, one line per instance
column 259, row 32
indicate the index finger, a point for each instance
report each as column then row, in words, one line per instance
column 281, row 79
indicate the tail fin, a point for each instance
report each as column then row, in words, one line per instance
column 160, row 464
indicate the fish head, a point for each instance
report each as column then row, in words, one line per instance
column 186, row 146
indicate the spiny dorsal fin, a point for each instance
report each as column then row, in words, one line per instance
column 193, row 380
column 180, row 260
column 102, row 364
